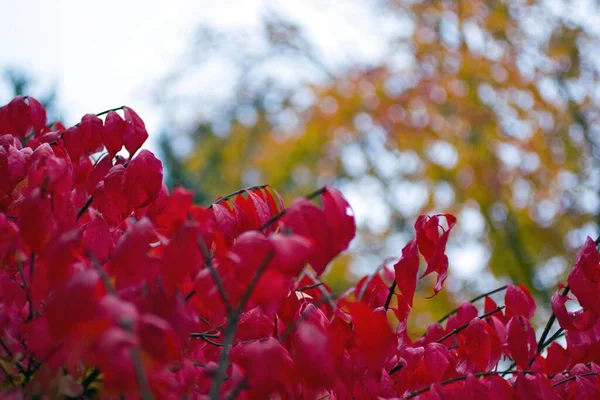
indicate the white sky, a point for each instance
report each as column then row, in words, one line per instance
column 104, row 54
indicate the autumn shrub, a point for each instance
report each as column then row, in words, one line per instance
column 112, row 287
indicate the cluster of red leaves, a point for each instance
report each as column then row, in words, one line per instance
column 111, row 286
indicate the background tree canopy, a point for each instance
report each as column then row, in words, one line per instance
column 486, row 109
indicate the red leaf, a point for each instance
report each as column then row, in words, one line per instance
column 36, row 223
column 311, row 348
column 182, row 257
column 130, row 263
column 142, row 181
column 306, row 219
column 255, row 210
column 406, row 271
column 37, row 115
column 588, row 260
column 252, row 359
column 226, row 220
column 474, row 349
column 374, row 338
column 175, row 210
column 73, row 142
column 436, row 360
column 340, row 217
column 519, row 301
column 159, row 340
column 578, row 320
column 134, row 132
column 255, row 324
column 114, row 126
column 97, row 238
column 98, row 173
column 80, row 295
column 91, row 130
column 432, row 245
column 557, row 359
column 13, row 168
column 520, row 341
column 534, row 387
column 500, row 388
column 109, row 198
column 22, row 116
column 292, row 252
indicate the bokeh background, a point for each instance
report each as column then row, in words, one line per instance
column 485, row 109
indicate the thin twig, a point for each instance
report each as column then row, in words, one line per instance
column 83, row 209
column 27, row 290
column 397, row 368
column 90, row 379
column 381, row 266
column 232, row 326
column 389, row 296
column 321, row 288
column 291, row 327
column 8, row 376
column 573, row 378
column 546, row 331
column 281, row 213
column 308, row 287
column 237, row 192
column 215, row 276
column 464, row 377
column 190, row 294
column 473, row 300
column 464, row 326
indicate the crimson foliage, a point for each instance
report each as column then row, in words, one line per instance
column 112, row 287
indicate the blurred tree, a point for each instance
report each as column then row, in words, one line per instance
column 486, row 109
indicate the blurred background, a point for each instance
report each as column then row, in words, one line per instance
column 485, row 109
